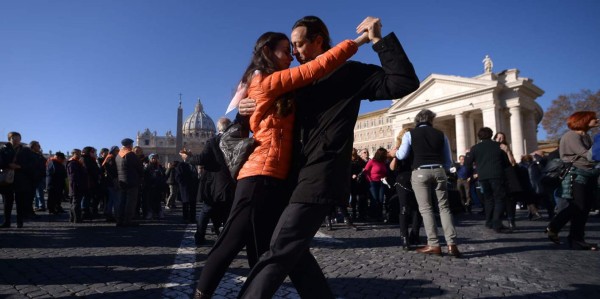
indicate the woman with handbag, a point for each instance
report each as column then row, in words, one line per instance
column 261, row 190
column 579, row 184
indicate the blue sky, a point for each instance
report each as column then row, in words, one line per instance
column 78, row 73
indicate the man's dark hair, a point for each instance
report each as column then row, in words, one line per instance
column 485, row 133
column 315, row 27
column 87, row 150
column 11, row 134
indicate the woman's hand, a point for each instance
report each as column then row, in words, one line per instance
column 363, row 39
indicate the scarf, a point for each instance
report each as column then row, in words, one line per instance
column 124, row 151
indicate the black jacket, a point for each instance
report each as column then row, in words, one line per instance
column 219, row 185
column 187, row 179
column 56, row 174
column 490, row 158
column 130, row 170
column 326, row 113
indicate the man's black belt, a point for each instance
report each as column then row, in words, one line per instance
column 430, row 167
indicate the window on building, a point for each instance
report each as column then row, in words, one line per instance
column 146, row 142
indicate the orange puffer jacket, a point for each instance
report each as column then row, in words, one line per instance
column 273, row 133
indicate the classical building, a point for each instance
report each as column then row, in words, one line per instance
column 374, row 130
column 191, row 134
column 502, row 101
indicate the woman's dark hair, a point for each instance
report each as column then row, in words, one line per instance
column 580, row 120
column 315, row 27
column 503, row 134
column 380, row 155
column 263, row 60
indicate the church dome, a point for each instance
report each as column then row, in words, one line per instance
column 198, row 124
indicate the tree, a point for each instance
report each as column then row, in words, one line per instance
column 555, row 117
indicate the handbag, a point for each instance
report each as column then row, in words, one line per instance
column 236, row 147
column 7, row 177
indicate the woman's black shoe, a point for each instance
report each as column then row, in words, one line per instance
column 552, row 236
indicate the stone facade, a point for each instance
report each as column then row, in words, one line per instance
column 502, row 101
column 191, row 134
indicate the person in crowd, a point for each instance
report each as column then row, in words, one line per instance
column 155, row 184
column 363, row 201
column 327, row 112
column 216, row 189
column 78, row 184
column 491, row 161
column 431, row 159
column 186, row 176
column 358, row 187
column 110, row 176
column 15, row 156
column 463, row 183
column 89, row 204
column 529, row 175
column 579, row 185
column 102, row 196
column 56, row 174
column 375, row 170
column 39, row 175
column 130, row 171
column 546, row 191
column 173, row 186
column 139, row 207
column 409, row 210
column 261, row 191
column 513, row 186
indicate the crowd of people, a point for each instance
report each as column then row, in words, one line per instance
column 118, row 185
column 303, row 171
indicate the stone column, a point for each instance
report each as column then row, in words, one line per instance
column 531, row 132
column 516, row 132
column 490, row 118
column 461, row 142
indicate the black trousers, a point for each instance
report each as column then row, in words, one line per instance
column 289, row 254
column 10, row 198
column 577, row 211
column 55, row 196
column 494, row 194
column 258, row 203
column 409, row 211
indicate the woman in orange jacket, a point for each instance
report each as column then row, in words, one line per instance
column 261, row 193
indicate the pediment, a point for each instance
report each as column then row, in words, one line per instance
column 440, row 88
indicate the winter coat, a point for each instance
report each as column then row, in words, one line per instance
column 56, row 174
column 187, row 178
column 155, row 178
column 129, row 169
column 78, row 178
column 274, row 133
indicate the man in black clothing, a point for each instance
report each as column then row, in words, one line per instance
column 326, row 113
column 13, row 155
column 217, row 187
column 56, row 173
column 491, row 161
column 130, row 171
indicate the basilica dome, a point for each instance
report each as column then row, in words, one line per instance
column 198, row 124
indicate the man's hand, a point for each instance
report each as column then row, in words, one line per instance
column 247, row 106
column 371, row 25
column 363, row 39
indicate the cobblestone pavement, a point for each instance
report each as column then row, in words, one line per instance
column 51, row 258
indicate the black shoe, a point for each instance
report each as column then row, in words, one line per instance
column 19, row 224
column 5, row 225
column 552, row 236
column 405, row 243
column 582, row 245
